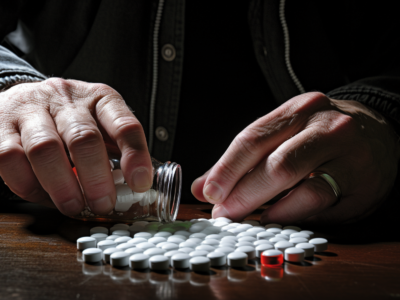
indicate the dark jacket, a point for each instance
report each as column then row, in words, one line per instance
column 347, row 49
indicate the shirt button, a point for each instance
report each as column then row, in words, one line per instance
column 161, row 133
column 168, row 52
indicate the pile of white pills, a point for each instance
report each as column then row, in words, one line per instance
column 197, row 244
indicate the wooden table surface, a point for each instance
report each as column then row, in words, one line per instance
column 39, row 260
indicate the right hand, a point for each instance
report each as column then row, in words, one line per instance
column 39, row 120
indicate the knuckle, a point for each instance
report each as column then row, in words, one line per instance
column 58, row 84
column 103, row 89
column 127, row 126
column 84, row 138
column 250, row 140
column 41, row 148
column 9, row 153
column 343, row 124
column 280, row 169
column 225, row 171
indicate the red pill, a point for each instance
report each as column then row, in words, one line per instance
column 272, row 258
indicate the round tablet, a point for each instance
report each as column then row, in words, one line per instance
column 145, row 245
column 179, row 236
column 300, row 234
column 125, row 246
column 283, row 236
column 122, row 240
column 273, row 226
column 112, row 237
column 198, row 235
column 274, row 240
column 200, row 264
column 308, row 249
column 139, row 261
column 320, row 244
column 99, row 237
column 237, row 259
column 121, row 232
column 134, row 250
column 226, row 244
column 156, row 240
column 142, row 234
column 272, row 258
column 260, row 242
column 282, row 245
column 122, row 226
column 211, row 230
column 154, row 251
column 244, row 227
column 217, row 259
column 98, row 229
column 196, row 241
column 292, row 227
column 119, row 259
column 256, row 230
column 265, row 235
column 85, row 243
column 108, row 252
column 251, row 239
column 92, row 255
column 310, row 233
column 294, row 254
column 225, row 250
column 187, row 244
column 170, row 246
column 207, row 248
column 186, row 250
column 288, row 232
column 210, row 242
column 229, row 238
column 213, row 237
column 274, row 230
column 175, row 240
column 226, row 233
column 103, row 245
column 198, row 253
column 163, row 234
column 183, row 232
column 136, row 241
column 263, row 247
column 223, row 219
column 169, row 254
column 249, row 250
column 159, row 262
column 180, row 261
column 298, row 240
column 247, row 233
column 240, row 244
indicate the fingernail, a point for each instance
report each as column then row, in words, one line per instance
column 71, row 207
column 219, row 211
column 141, row 179
column 102, row 205
column 213, row 192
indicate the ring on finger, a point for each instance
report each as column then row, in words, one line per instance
column 332, row 183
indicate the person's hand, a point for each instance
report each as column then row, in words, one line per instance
column 38, row 121
column 310, row 132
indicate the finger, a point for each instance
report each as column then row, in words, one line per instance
column 287, row 165
column 259, row 140
column 80, row 133
column 198, row 185
column 127, row 132
column 16, row 171
column 45, row 151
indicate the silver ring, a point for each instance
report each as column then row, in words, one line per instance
column 335, row 187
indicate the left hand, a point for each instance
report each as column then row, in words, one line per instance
column 311, row 132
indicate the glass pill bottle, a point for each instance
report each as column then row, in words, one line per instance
column 160, row 203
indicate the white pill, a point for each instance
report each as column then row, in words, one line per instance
column 247, row 239
column 198, row 235
column 182, row 237
column 320, row 244
column 217, row 259
column 223, row 219
column 170, row 246
column 247, row 233
column 236, row 231
column 294, row 254
column 292, row 227
column 175, row 240
column 134, row 250
column 119, row 259
column 159, row 262
column 107, row 252
column 300, row 234
column 122, row 226
column 211, row 230
column 241, row 244
column 139, row 261
column 122, row 240
column 274, row 240
column 220, row 224
column 282, row 236
column 85, row 243
column 251, row 222
column 282, row 245
column 99, row 237
column 298, row 240
column 249, row 250
column 274, row 230
column 183, row 232
column 244, row 227
column 180, row 261
column 196, row 228
column 263, row 247
column 196, row 241
column 310, row 233
column 308, row 249
column 288, row 232
column 200, row 264
column 144, row 235
column 112, row 237
column 226, row 233
column 187, row 244
column 198, row 253
column 154, row 251
column 213, row 237
column 92, row 255
column 124, row 198
column 163, row 234
column 186, row 250
column 136, row 241
column 225, row 250
column 125, row 246
column 155, row 240
column 227, row 244
column 99, row 229
column 145, row 245
column 273, row 226
column 118, row 177
column 103, row 245
column 237, row 259
column 210, row 242
column 260, row 242
column 265, row 235
column 229, row 238
column 169, row 254
column 121, row 232
column 256, row 230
